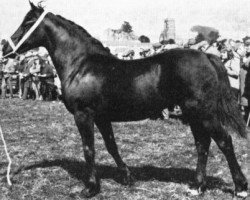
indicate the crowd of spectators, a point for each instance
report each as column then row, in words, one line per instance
column 32, row 76
column 235, row 55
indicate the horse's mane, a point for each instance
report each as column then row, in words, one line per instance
column 80, row 30
column 98, row 46
column 78, row 27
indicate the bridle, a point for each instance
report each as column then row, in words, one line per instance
column 26, row 36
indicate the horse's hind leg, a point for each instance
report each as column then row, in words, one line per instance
column 202, row 142
column 106, row 130
column 85, row 123
column 224, row 142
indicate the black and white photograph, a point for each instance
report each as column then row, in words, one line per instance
column 124, row 100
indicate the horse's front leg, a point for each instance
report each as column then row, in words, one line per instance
column 85, row 123
column 106, row 130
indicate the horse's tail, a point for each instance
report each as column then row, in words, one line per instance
column 228, row 111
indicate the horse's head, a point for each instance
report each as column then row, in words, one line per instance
column 36, row 37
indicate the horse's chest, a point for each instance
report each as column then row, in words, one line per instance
column 82, row 89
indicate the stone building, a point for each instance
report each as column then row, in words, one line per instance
column 168, row 31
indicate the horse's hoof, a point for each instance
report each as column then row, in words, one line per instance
column 127, row 179
column 90, row 191
column 242, row 194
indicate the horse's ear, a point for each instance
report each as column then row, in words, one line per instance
column 33, row 7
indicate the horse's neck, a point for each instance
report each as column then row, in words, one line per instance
column 65, row 48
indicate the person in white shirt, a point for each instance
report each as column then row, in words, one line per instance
column 233, row 71
column 34, row 71
column 245, row 81
column 8, row 69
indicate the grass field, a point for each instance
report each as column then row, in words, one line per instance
column 48, row 161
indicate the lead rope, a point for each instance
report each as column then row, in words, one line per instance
column 14, row 49
column 8, row 157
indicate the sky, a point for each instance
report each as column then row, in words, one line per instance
column 230, row 17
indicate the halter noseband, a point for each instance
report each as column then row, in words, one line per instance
column 25, row 37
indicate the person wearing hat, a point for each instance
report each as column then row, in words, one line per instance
column 246, row 40
column 190, row 44
column 46, row 76
column 247, row 45
column 8, row 69
column 144, row 52
column 157, row 47
column 35, row 81
column 20, row 68
column 25, row 76
column 233, row 65
column 129, row 54
column 245, row 80
column 2, row 62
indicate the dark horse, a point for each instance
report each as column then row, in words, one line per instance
column 99, row 88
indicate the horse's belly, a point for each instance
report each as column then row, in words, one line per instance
column 135, row 110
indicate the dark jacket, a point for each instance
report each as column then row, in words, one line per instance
column 47, row 70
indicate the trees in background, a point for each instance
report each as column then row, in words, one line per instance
column 126, row 27
column 144, row 39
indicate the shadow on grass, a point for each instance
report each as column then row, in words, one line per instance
column 78, row 170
